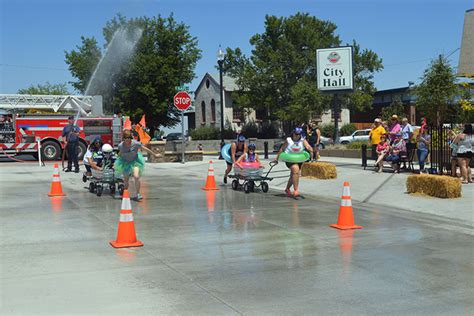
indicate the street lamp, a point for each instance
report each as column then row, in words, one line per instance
column 220, row 61
column 412, row 108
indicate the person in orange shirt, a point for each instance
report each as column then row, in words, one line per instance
column 374, row 136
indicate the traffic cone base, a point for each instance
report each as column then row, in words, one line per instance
column 345, row 227
column 56, row 188
column 115, row 244
column 210, row 181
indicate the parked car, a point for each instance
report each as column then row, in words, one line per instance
column 359, row 135
column 323, row 142
column 174, row 136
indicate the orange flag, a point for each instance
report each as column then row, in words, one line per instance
column 127, row 124
column 142, row 121
column 144, row 137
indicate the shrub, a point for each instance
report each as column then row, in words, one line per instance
column 268, row 131
column 204, row 133
column 356, row 145
column 347, row 129
column 229, row 133
column 327, row 130
column 250, row 129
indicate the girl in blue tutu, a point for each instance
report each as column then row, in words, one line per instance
column 130, row 161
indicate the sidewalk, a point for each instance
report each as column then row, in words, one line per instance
column 385, row 190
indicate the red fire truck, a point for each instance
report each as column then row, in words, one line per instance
column 21, row 133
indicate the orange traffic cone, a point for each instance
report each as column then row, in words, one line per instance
column 211, row 181
column 126, row 236
column 56, row 188
column 346, row 218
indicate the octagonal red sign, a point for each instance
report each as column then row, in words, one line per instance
column 182, row 100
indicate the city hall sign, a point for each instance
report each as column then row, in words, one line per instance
column 334, row 69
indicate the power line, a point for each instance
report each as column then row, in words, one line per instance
column 34, row 67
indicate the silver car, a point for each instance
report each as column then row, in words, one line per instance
column 359, row 135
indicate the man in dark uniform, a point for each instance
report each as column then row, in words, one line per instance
column 71, row 136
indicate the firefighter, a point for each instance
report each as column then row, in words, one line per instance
column 71, row 135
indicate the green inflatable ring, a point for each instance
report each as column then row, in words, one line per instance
column 296, row 157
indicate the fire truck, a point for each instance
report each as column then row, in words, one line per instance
column 23, row 133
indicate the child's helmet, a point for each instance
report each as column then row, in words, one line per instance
column 252, row 146
column 106, row 148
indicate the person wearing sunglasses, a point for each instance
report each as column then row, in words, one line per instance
column 294, row 144
column 130, row 161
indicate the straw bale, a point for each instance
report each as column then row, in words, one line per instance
column 434, row 185
column 319, row 170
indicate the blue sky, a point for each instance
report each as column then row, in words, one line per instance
column 406, row 34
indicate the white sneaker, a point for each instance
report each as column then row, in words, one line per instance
column 138, row 198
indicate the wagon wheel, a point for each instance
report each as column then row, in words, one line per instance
column 252, row 185
column 235, row 184
column 264, row 187
column 100, row 188
column 91, row 187
column 246, row 187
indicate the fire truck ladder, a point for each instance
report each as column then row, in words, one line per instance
column 86, row 105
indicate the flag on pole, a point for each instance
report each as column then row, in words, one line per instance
column 142, row 121
column 127, row 124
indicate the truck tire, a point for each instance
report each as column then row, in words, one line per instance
column 50, row 150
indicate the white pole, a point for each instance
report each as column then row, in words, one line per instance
column 182, row 134
column 39, row 152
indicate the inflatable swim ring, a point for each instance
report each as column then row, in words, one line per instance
column 250, row 165
column 248, row 169
column 294, row 157
column 225, row 153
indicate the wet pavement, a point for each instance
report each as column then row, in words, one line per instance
column 221, row 252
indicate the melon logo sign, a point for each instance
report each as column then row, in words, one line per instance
column 182, row 100
column 334, row 69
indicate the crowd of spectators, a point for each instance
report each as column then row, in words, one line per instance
column 393, row 141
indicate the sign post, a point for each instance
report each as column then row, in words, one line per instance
column 335, row 75
column 182, row 101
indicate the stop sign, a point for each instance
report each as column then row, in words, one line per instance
column 182, row 100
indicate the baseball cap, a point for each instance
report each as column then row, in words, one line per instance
column 394, row 117
column 377, row 120
column 241, row 138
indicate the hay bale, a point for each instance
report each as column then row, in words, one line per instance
column 319, row 170
column 434, row 185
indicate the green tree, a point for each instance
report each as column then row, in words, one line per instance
column 164, row 57
column 47, row 89
column 396, row 107
column 82, row 62
column 437, row 91
column 280, row 75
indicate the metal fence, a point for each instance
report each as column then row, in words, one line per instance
column 440, row 150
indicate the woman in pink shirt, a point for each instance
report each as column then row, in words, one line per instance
column 382, row 151
column 394, row 127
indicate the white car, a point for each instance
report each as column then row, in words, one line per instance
column 359, row 135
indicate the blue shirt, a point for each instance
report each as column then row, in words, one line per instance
column 67, row 132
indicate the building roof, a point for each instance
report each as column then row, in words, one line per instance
column 229, row 83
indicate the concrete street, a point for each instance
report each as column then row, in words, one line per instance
column 227, row 252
